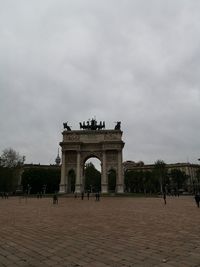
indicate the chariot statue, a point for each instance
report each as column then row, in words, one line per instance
column 92, row 125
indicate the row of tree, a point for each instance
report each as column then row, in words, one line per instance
column 40, row 180
column 139, row 181
column 11, row 163
column 32, row 180
column 169, row 181
column 151, row 182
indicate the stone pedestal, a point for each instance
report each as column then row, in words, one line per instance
column 104, row 188
column 120, row 188
column 62, row 189
column 78, row 188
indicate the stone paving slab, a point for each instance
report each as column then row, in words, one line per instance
column 113, row 232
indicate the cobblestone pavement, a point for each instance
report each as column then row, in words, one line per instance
column 112, row 232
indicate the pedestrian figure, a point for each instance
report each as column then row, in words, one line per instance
column 97, row 195
column 164, row 197
column 82, row 195
column 55, row 199
column 197, row 199
column 75, row 195
column 88, row 194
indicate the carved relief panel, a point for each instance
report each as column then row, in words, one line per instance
column 111, row 156
column 111, row 136
column 71, row 137
column 70, row 157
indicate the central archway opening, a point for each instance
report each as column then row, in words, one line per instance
column 92, row 175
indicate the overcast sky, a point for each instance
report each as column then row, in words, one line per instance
column 134, row 61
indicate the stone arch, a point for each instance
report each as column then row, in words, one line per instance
column 112, row 179
column 79, row 145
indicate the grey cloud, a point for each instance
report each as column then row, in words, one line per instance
column 134, row 61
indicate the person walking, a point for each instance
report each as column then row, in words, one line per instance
column 97, row 195
column 164, row 197
column 55, row 199
column 197, row 199
column 82, row 195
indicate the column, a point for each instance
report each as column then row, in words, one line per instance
column 78, row 174
column 120, row 180
column 63, row 178
column 104, row 182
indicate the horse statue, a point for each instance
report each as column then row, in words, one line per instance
column 66, row 127
column 118, row 125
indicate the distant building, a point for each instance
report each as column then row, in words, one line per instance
column 188, row 168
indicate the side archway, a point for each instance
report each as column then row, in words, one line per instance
column 71, row 181
column 112, row 178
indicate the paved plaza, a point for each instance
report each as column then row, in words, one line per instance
column 111, row 232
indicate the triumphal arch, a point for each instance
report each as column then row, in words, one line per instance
column 92, row 140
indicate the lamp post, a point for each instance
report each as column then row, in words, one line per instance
column 44, row 189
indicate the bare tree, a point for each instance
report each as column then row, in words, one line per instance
column 10, row 158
